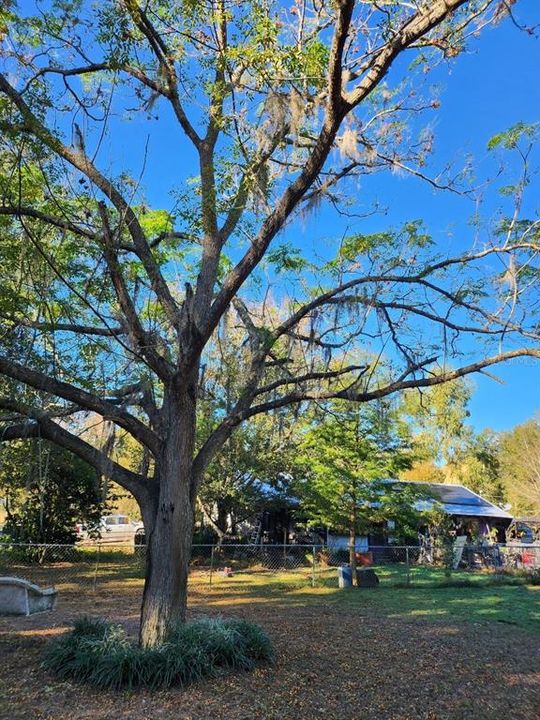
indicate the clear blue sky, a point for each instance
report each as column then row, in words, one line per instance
column 486, row 91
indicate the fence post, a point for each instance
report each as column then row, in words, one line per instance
column 313, row 567
column 211, row 563
column 407, row 561
column 96, row 567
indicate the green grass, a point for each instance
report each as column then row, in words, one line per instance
column 516, row 605
column 433, row 576
column 465, row 597
column 421, row 592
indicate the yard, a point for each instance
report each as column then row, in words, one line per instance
column 423, row 651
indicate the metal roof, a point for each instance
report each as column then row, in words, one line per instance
column 455, row 499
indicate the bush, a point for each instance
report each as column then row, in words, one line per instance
column 101, row 654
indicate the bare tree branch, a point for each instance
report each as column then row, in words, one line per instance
column 322, row 375
column 143, row 339
column 337, row 108
column 84, row 399
column 390, row 388
column 60, row 223
column 163, row 55
column 89, row 330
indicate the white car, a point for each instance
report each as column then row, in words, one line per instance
column 117, row 529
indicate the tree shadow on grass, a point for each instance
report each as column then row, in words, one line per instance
column 477, row 601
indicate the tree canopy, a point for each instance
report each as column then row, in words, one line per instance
column 344, row 457
column 519, row 461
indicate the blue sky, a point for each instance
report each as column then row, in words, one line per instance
column 486, row 90
column 493, row 86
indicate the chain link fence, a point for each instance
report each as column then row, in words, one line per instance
column 71, row 566
column 95, row 566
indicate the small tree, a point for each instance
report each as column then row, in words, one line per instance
column 346, row 456
column 441, row 538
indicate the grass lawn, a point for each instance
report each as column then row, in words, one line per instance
column 483, row 600
column 423, row 652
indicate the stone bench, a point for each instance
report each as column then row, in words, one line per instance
column 21, row 597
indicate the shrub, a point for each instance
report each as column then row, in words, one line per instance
column 101, row 654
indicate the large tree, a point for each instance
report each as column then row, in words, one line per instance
column 448, row 449
column 440, row 415
column 519, row 459
column 111, row 306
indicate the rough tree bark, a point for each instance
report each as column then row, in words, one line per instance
column 169, row 543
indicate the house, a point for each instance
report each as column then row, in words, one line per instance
column 473, row 515
column 281, row 520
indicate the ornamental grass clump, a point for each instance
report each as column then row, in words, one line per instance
column 101, row 653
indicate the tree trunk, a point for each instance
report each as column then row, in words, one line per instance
column 169, row 543
column 352, row 541
column 222, row 517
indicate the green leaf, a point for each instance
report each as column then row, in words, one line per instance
column 285, row 257
column 508, row 139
